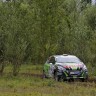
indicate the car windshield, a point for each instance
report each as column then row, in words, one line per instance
column 67, row 59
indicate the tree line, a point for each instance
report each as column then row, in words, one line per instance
column 32, row 30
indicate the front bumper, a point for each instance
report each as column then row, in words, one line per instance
column 73, row 74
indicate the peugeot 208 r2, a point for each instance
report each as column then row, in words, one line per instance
column 65, row 67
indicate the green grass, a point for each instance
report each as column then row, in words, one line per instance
column 35, row 69
column 32, row 86
column 24, row 85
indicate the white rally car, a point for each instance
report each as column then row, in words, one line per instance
column 65, row 67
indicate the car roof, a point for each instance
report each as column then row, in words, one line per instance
column 64, row 55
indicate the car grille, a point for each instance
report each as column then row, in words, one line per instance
column 74, row 72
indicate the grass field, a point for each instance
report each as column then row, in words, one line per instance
column 27, row 85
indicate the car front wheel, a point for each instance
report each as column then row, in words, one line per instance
column 57, row 77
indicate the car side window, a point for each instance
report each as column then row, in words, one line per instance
column 52, row 60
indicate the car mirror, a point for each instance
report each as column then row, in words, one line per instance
column 50, row 63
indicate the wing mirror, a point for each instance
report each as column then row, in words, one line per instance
column 50, row 63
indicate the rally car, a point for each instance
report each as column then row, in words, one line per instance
column 65, row 67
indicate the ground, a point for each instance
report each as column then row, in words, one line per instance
column 30, row 83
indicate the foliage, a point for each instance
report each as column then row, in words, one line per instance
column 32, row 30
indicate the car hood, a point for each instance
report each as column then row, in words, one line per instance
column 71, row 65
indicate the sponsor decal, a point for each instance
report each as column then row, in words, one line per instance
column 73, row 66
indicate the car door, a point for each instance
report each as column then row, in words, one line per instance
column 49, row 66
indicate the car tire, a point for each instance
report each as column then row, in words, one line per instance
column 44, row 75
column 84, row 80
column 57, row 77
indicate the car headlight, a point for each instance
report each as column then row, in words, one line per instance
column 61, row 69
column 84, row 68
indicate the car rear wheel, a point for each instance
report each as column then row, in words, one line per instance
column 44, row 75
